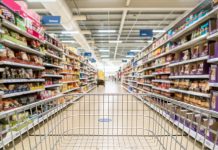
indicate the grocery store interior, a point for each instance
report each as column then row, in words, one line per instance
column 108, row 74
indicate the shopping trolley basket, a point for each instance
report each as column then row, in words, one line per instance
column 109, row 121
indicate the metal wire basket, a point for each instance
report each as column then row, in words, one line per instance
column 112, row 121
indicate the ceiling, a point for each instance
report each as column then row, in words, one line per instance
column 124, row 18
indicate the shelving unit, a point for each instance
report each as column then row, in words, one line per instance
column 181, row 64
column 70, row 72
column 31, row 75
column 88, row 79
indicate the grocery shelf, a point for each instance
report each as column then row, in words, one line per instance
column 161, row 89
column 213, row 84
column 84, row 73
column 53, row 46
column 189, row 131
column 53, row 85
column 70, row 90
column 189, row 61
column 9, row 63
column 21, row 93
column 16, row 46
column 52, row 76
column 162, row 81
column 131, row 80
column 71, row 57
column 146, row 76
column 15, row 28
column 51, row 65
column 83, row 78
column 65, row 82
column 35, row 122
column 190, row 92
column 190, row 77
column 155, row 57
column 160, row 73
column 147, row 68
column 91, row 89
column 189, row 43
column 160, row 65
column 146, row 84
column 21, row 80
column 52, row 55
column 213, row 36
column 195, row 24
column 70, row 73
column 212, row 60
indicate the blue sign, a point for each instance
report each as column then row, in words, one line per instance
column 146, row 33
column 51, row 20
column 92, row 60
column 87, row 54
column 131, row 53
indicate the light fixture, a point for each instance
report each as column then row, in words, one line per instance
column 130, row 56
column 68, row 41
column 86, row 32
column 36, row 1
column 149, row 41
column 115, row 41
column 135, row 50
column 105, row 56
column 80, row 18
column 104, row 50
column 159, row 31
column 69, row 32
column 106, row 31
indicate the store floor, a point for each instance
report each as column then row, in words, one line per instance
column 114, row 121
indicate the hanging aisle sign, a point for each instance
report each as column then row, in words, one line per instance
column 92, row 60
column 51, row 20
column 146, row 33
column 87, row 54
column 131, row 53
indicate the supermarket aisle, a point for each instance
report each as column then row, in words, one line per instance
column 106, row 122
column 110, row 87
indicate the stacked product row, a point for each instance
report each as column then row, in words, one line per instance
column 87, row 76
column 34, row 67
column 181, row 64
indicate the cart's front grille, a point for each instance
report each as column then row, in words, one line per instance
column 115, row 121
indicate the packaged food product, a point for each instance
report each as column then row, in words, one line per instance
column 186, row 55
column 213, row 73
column 195, row 52
column 204, row 49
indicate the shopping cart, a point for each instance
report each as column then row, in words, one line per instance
column 111, row 121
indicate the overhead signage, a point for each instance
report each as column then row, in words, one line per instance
column 92, row 60
column 87, row 54
column 51, row 20
column 146, row 33
column 131, row 53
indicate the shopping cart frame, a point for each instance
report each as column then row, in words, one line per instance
column 174, row 128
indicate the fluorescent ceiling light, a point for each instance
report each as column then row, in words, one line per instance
column 159, row 31
column 105, row 56
column 36, row 1
column 115, row 41
column 129, row 56
column 135, row 50
column 149, row 41
column 69, row 32
column 104, row 50
column 68, row 41
column 106, row 31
